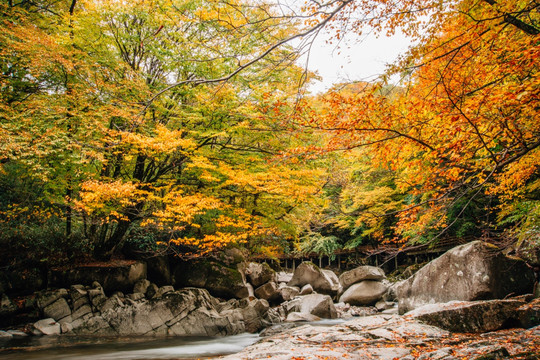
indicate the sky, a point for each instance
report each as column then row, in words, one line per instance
column 355, row 59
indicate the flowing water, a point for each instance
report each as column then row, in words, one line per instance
column 127, row 348
column 121, row 348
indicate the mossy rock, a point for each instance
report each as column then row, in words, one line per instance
column 212, row 275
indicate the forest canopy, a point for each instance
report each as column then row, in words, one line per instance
column 184, row 126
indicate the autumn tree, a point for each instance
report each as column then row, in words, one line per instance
column 148, row 106
column 462, row 130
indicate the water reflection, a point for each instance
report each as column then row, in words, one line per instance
column 79, row 348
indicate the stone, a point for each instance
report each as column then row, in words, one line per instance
column 283, row 277
column 5, row 335
column 384, row 305
column 46, row 298
column 367, row 292
column 359, row 274
column 57, row 310
column 289, row 292
column 135, row 296
column 269, row 292
column 66, row 327
column 141, row 286
column 470, row 316
column 47, row 327
column 117, row 276
column 309, row 273
column 163, row 290
column 306, row 290
column 259, row 274
column 529, row 314
column 474, row 271
column 113, row 302
column 298, row 316
column 216, row 277
column 319, row 305
column 80, row 312
column 7, row 307
column 151, row 291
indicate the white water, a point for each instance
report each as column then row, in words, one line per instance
column 127, row 349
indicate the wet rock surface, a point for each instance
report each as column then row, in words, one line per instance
column 390, row 337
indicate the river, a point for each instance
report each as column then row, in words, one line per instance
column 127, row 348
column 121, row 348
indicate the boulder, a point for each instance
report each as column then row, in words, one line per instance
column 306, row 290
column 187, row 312
column 474, row 271
column 259, row 274
column 360, row 273
column 319, row 305
column 470, row 316
column 158, row 270
column 289, row 292
column 57, row 310
column 212, row 275
column 298, row 316
column 367, row 292
column 45, row 298
column 321, row 281
column 283, row 277
column 46, row 327
column 141, row 286
column 269, row 292
column 117, row 276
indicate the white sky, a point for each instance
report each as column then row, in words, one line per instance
column 355, row 59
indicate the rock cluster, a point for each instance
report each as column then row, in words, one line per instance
column 474, row 271
column 149, row 310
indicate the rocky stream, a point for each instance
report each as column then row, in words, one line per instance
column 470, row 303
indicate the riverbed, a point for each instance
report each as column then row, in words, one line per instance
column 121, row 348
column 128, row 348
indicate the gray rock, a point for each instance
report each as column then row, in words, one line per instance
column 135, row 296
column 259, row 274
column 306, row 290
column 113, row 302
column 269, row 292
column 309, row 273
column 283, row 277
column 359, row 274
column 141, row 286
column 82, row 311
column 367, row 292
column 5, row 335
column 469, row 316
column 216, row 277
column 45, row 298
column 298, row 316
column 163, row 290
column 47, row 327
column 474, row 271
column 57, row 310
column 319, row 305
column 66, row 327
column 289, row 292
